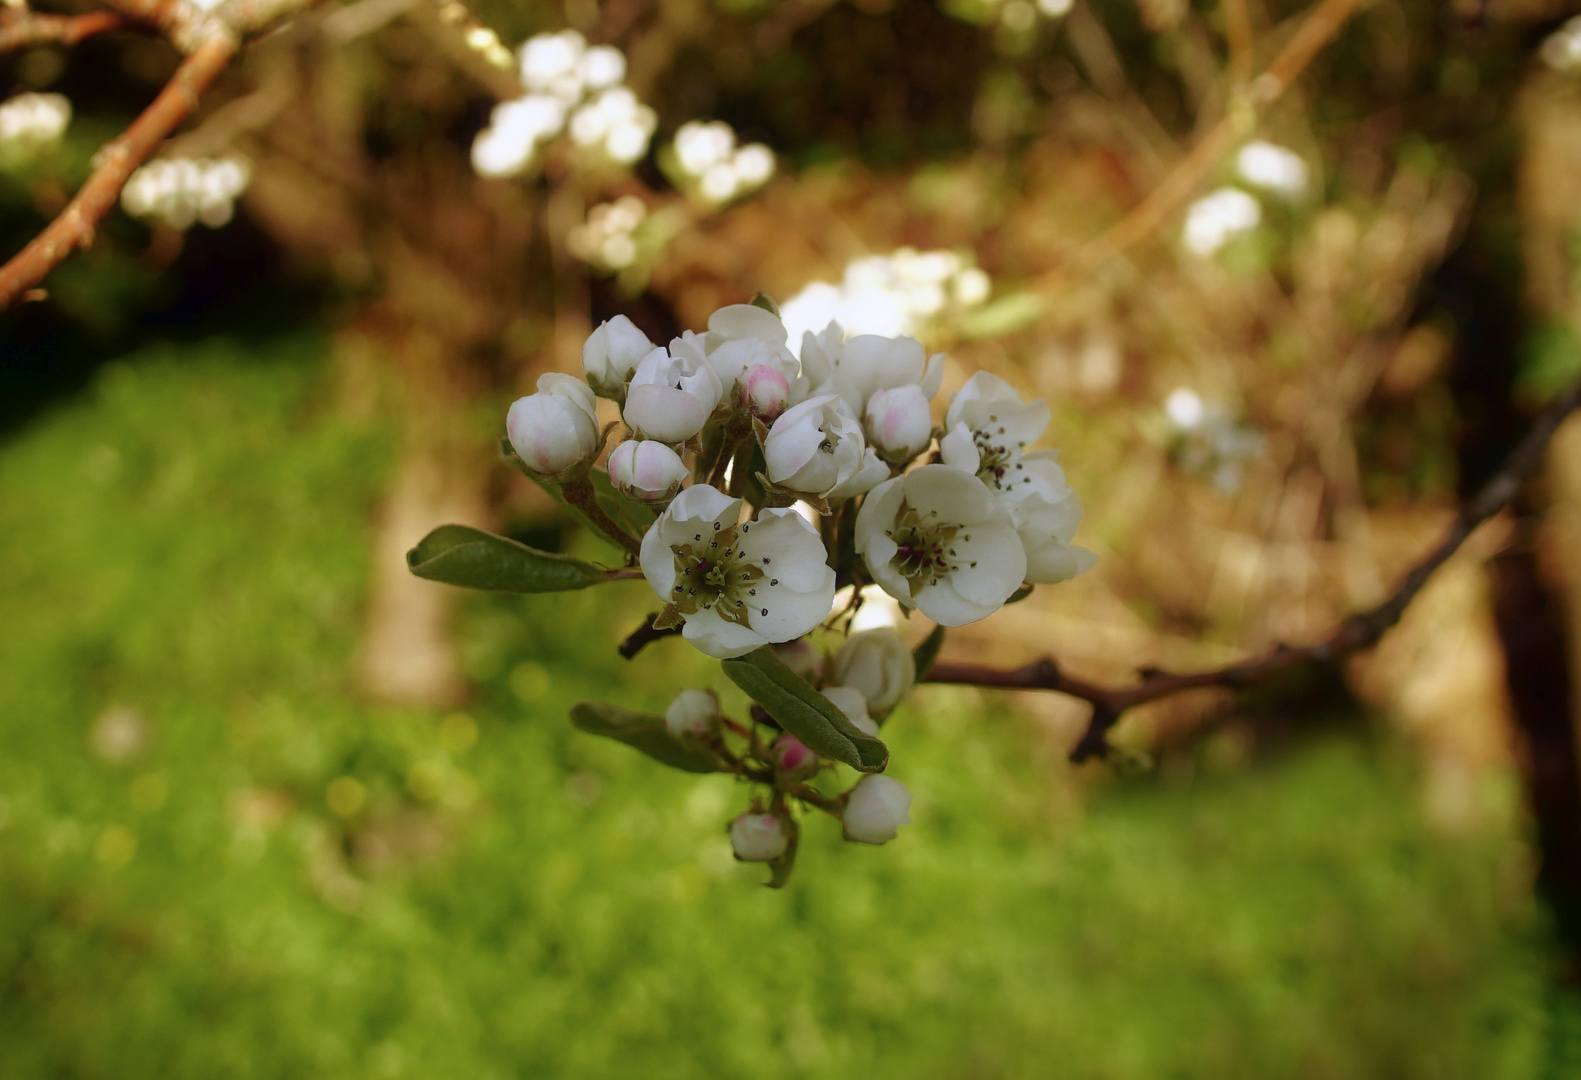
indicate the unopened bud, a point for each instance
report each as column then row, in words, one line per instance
column 758, row 837
column 793, row 757
column 612, row 353
column 764, row 391
column 694, row 712
column 876, row 809
column 878, row 663
column 802, row 657
column 899, row 422
column 556, row 428
column 646, row 470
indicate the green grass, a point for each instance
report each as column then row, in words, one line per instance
column 189, row 541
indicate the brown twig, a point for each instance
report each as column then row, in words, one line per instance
column 77, row 224
column 1358, row 632
column 21, row 28
column 645, row 635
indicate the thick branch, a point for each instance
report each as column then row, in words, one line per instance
column 1360, row 631
column 77, row 224
column 21, row 28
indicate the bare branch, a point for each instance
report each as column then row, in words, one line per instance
column 21, row 28
column 1360, row 631
column 77, row 224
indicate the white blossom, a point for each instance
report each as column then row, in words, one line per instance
column 670, row 396
column 601, row 66
column 608, row 238
column 184, row 191
column 814, row 447
column 742, row 337
column 1562, row 49
column 879, row 664
column 1046, row 512
column 611, row 354
column 1272, row 168
column 988, row 428
column 1217, row 218
column 31, row 122
column 853, row 704
column 712, row 167
column 858, row 367
column 758, row 837
column 549, row 61
column 899, row 293
column 938, row 540
column 899, row 422
column 694, row 712
column 736, row 586
column 646, row 470
column 555, row 428
column 876, row 809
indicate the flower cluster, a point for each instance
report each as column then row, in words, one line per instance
column 30, row 124
column 607, row 239
column 899, row 293
column 181, row 192
column 1228, row 212
column 705, row 162
column 569, row 87
column 750, row 484
column 1562, row 49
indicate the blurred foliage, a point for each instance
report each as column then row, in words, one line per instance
column 216, row 859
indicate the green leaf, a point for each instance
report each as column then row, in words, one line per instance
column 803, row 712
column 766, row 302
column 927, row 651
column 474, row 559
column 1004, row 316
column 642, row 731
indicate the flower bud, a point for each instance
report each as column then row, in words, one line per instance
column 612, row 353
column 899, row 422
column 646, row 470
column 758, row 837
column 694, row 712
column 876, row 809
column 764, row 391
column 792, row 756
column 556, row 428
column 802, row 657
column 815, row 446
column 878, row 663
column 851, row 702
column 671, row 397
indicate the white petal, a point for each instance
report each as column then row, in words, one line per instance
column 718, row 638
column 1000, row 563
column 941, row 603
column 948, row 494
column 959, row 451
column 747, row 321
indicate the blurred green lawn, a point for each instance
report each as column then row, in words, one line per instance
column 186, row 544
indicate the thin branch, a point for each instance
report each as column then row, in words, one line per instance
column 1360, row 631
column 645, row 635
column 21, row 28
column 76, row 226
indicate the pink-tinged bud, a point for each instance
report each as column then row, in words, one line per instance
column 556, row 428
column 646, row 470
column 793, row 757
column 899, row 422
column 758, row 837
column 694, row 712
column 764, row 391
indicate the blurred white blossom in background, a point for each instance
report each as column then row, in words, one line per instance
column 606, row 240
column 180, row 192
column 893, row 294
column 708, row 165
column 1208, row 440
column 1562, row 50
column 1217, row 218
column 1272, row 168
column 569, row 85
column 30, row 124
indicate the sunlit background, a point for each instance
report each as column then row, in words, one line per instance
column 271, row 806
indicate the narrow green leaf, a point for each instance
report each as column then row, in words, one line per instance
column 927, row 651
column 473, row 559
column 804, row 712
column 644, row 732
